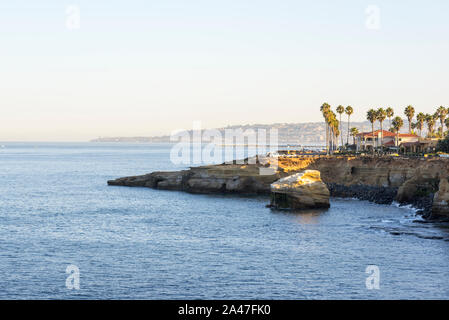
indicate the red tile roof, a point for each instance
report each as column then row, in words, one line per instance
column 376, row 133
column 407, row 135
column 387, row 134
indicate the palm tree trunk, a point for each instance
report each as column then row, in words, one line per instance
column 336, row 141
column 332, row 140
column 341, row 132
column 331, row 135
column 381, row 138
column 327, row 148
column 347, row 140
column 372, row 130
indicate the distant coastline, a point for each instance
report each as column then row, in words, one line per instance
column 312, row 133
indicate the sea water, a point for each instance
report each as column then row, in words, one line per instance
column 56, row 211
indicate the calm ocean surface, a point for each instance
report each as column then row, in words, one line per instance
column 136, row 243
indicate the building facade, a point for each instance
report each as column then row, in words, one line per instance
column 366, row 141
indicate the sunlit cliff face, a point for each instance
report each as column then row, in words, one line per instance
column 306, row 177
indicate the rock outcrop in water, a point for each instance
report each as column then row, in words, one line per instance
column 303, row 190
column 232, row 178
column 440, row 205
column 377, row 179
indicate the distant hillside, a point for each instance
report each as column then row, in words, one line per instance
column 288, row 133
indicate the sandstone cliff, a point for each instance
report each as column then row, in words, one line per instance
column 303, row 190
column 233, row 178
column 382, row 180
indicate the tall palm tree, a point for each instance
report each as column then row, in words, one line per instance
column 325, row 110
column 340, row 111
column 436, row 116
column 337, row 132
column 397, row 125
column 371, row 115
column 381, row 116
column 420, row 117
column 442, row 113
column 354, row 132
column 430, row 121
column 390, row 114
column 349, row 111
column 330, row 118
column 329, row 132
column 333, row 123
column 409, row 113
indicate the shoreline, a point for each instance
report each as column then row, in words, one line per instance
column 382, row 180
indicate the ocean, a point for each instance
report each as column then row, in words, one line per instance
column 56, row 210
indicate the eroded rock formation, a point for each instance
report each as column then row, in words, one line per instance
column 233, row 178
column 379, row 179
column 440, row 205
column 303, row 190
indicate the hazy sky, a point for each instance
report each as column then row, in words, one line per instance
column 146, row 67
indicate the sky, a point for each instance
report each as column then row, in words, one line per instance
column 78, row 70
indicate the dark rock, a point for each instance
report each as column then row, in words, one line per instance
column 380, row 195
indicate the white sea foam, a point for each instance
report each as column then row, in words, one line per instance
column 408, row 207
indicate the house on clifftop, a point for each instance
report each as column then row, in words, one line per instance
column 405, row 142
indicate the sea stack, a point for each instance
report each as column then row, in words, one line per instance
column 303, row 190
column 440, row 206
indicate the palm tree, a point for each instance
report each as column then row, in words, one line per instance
column 333, row 123
column 349, row 111
column 337, row 132
column 354, row 132
column 446, row 122
column 371, row 115
column 381, row 116
column 409, row 113
column 390, row 114
column 397, row 125
column 430, row 121
column 420, row 117
column 340, row 111
column 436, row 116
column 325, row 110
column 442, row 113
